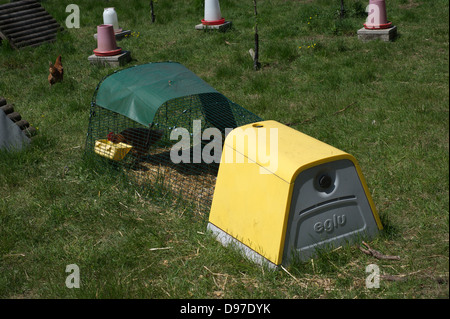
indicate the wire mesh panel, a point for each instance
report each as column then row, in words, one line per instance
column 145, row 153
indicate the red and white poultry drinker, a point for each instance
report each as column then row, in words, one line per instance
column 377, row 18
column 213, row 16
column 106, row 41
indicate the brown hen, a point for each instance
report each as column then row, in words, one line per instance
column 56, row 71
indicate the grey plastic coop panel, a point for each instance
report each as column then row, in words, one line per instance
column 11, row 136
column 318, row 220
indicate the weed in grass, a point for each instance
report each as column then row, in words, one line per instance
column 308, row 47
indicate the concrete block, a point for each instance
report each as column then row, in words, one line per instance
column 221, row 27
column 382, row 34
column 113, row 60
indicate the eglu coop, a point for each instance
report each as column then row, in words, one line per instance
column 133, row 114
column 313, row 197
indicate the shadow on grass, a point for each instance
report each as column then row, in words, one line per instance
column 390, row 231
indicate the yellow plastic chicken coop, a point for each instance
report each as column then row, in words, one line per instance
column 303, row 196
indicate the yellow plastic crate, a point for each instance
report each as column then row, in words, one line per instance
column 111, row 150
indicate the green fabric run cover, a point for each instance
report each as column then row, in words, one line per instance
column 139, row 91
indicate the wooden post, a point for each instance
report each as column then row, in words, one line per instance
column 256, row 64
column 342, row 11
column 152, row 11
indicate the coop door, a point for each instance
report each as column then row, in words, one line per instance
column 329, row 206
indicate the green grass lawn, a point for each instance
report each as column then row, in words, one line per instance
column 58, row 209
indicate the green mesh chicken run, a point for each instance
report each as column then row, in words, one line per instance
column 145, row 120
